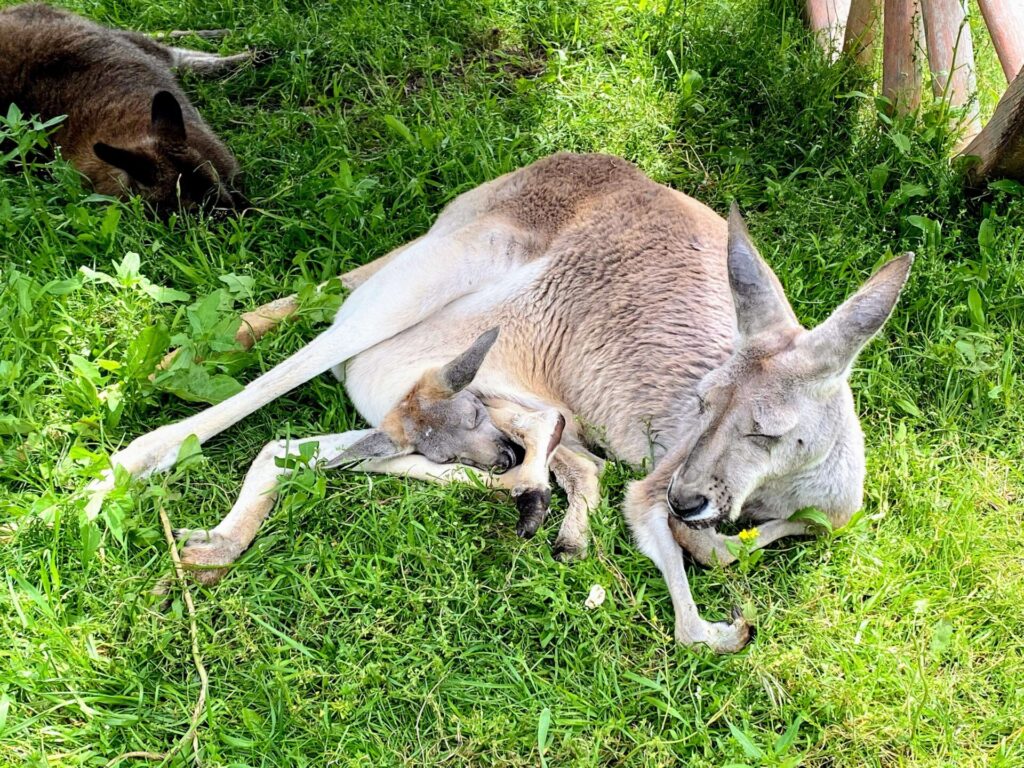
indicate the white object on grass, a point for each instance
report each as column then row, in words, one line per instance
column 596, row 597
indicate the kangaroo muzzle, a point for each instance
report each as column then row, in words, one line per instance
column 692, row 508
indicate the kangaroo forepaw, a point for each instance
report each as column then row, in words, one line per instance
column 533, row 507
column 206, row 554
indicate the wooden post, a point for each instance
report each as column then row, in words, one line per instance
column 861, row 25
column 951, row 56
column 255, row 325
column 828, row 21
column 1005, row 20
column 901, row 80
column 1000, row 146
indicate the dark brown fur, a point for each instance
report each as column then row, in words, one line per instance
column 122, row 102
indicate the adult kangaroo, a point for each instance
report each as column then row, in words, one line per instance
column 129, row 127
column 633, row 319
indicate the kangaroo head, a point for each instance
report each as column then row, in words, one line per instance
column 778, row 430
column 440, row 419
column 170, row 167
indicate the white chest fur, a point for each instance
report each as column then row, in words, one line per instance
column 378, row 379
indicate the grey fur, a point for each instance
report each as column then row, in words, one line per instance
column 757, row 294
column 459, row 373
column 376, row 445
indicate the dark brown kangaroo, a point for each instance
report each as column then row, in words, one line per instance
column 129, row 128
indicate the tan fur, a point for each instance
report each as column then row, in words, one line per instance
column 394, row 424
column 428, row 388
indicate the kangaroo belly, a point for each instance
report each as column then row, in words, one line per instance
column 632, row 312
column 624, row 309
column 377, row 379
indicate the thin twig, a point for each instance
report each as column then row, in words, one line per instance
column 203, row 34
column 191, row 735
column 137, row 756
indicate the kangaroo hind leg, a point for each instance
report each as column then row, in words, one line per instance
column 579, row 475
column 201, row 62
column 539, row 433
column 430, row 274
column 209, row 552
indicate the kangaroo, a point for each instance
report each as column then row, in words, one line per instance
column 130, row 129
column 627, row 311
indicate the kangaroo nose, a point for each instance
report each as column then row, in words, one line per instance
column 687, row 506
column 506, row 460
column 510, row 455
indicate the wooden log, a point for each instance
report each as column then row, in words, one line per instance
column 951, row 57
column 999, row 148
column 861, row 27
column 255, row 325
column 827, row 19
column 901, row 79
column 1005, row 20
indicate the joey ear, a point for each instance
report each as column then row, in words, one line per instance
column 756, row 292
column 834, row 345
column 135, row 164
column 458, row 374
column 167, row 119
column 376, row 445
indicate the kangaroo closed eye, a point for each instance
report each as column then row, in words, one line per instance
column 765, row 442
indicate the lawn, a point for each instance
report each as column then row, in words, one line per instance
column 380, row 622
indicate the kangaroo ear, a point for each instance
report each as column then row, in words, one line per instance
column 833, row 346
column 135, row 164
column 458, row 374
column 240, row 202
column 756, row 292
column 376, row 445
column 168, row 122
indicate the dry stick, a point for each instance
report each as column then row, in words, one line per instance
column 200, row 708
column 901, row 80
column 137, row 756
column 193, row 629
column 1005, row 21
column 861, row 27
column 951, row 57
column 254, row 327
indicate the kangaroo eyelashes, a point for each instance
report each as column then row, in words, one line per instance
column 764, row 441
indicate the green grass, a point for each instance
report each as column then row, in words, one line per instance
column 381, row 622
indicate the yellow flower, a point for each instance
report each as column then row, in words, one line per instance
column 748, row 535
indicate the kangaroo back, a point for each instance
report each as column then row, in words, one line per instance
column 632, row 307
